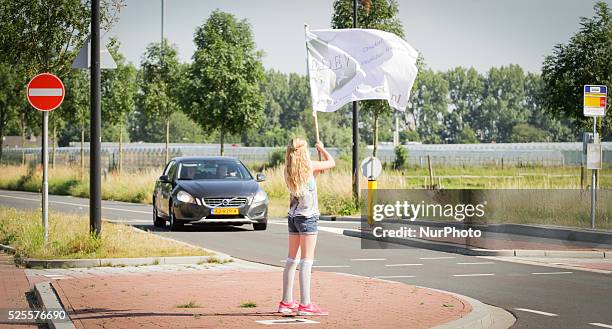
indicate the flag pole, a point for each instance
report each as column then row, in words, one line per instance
column 314, row 112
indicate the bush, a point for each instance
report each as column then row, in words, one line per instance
column 401, row 158
column 276, row 157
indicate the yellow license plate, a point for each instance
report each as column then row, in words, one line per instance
column 225, row 211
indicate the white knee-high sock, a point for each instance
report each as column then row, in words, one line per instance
column 288, row 276
column 305, row 271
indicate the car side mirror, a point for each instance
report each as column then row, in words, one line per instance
column 261, row 177
column 164, row 179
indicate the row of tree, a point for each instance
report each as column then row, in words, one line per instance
column 224, row 95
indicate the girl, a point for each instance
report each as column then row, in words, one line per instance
column 303, row 216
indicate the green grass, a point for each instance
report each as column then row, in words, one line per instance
column 69, row 238
column 190, row 304
column 334, row 185
column 248, row 304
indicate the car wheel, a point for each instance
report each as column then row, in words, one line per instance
column 260, row 226
column 158, row 221
column 174, row 225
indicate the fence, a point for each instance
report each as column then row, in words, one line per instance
column 151, row 155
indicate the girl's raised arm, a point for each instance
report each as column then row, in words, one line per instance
column 327, row 162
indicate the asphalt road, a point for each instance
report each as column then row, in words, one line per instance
column 539, row 296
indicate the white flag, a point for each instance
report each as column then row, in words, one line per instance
column 356, row 64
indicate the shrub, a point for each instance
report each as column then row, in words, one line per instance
column 401, row 158
column 276, row 157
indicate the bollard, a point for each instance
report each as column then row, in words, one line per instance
column 372, row 187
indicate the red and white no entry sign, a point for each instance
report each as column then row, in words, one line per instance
column 45, row 92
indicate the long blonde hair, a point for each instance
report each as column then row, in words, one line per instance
column 297, row 165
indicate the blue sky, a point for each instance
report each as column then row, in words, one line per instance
column 449, row 33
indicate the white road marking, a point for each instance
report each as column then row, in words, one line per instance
column 476, row 263
column 394, row 276
column 431, row 258
column 603, row 325
column 536, row 312
column 366, row 259
column 394, row 265
column 75, row 204
column 45, row 91
column 475, row 274
column 550, row 273
column 330, row 266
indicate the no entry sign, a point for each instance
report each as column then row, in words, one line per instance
column 45, row 92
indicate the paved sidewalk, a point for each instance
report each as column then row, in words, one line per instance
column 13, row 288
column 143, row 298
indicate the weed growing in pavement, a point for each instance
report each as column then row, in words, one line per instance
column 190, row 304
column 248, row 304
column 215, row 260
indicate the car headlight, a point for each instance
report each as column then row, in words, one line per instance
column 260, row 196
column 185, row 197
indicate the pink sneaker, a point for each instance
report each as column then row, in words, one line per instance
column 287, row 308
column 311, row 309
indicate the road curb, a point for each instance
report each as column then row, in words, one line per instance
column 101, row 262
column 483, row 316
column 541, row 231
column 47, row 298
column 460, row 249
column 7, row 249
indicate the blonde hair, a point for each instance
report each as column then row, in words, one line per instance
column 297, row 165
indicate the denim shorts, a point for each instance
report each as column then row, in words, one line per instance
column 302, row 225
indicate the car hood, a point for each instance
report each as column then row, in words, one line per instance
column 218, row 188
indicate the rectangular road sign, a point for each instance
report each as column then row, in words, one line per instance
column 593, row 156
column 595, row 99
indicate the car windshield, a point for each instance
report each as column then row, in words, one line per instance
column 213, row 169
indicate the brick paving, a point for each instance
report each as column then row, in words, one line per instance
column 13, row 288
column 152, row 299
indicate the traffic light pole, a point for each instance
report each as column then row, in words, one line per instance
column 95, row 206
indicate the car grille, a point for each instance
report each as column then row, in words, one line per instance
column 231, row 202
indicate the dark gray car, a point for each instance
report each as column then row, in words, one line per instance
column 209, row 190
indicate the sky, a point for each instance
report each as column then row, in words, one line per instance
column 448, row 33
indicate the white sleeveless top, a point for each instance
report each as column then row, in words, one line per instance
column 307, row 204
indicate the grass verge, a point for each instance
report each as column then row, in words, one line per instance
column 334, row 186
column 69, row 238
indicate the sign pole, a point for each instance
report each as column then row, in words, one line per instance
column 355, row 131
column 45, row 183
column 593, row 177
column 45, row 92
column 95, row 204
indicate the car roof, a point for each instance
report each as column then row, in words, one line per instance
column 195, row 158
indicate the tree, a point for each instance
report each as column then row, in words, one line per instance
column 161, row 83
column 585, row 59
column 524, row 133
column 44, row 37
column 118, row 93
column 11, row 95
column 371, row 14
column 465, row 88
column 76, row 105
column 223, row 89
column 429, row 105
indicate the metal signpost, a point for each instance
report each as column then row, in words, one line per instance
column 595, row 100
column 94, row 57
column 45, row 93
